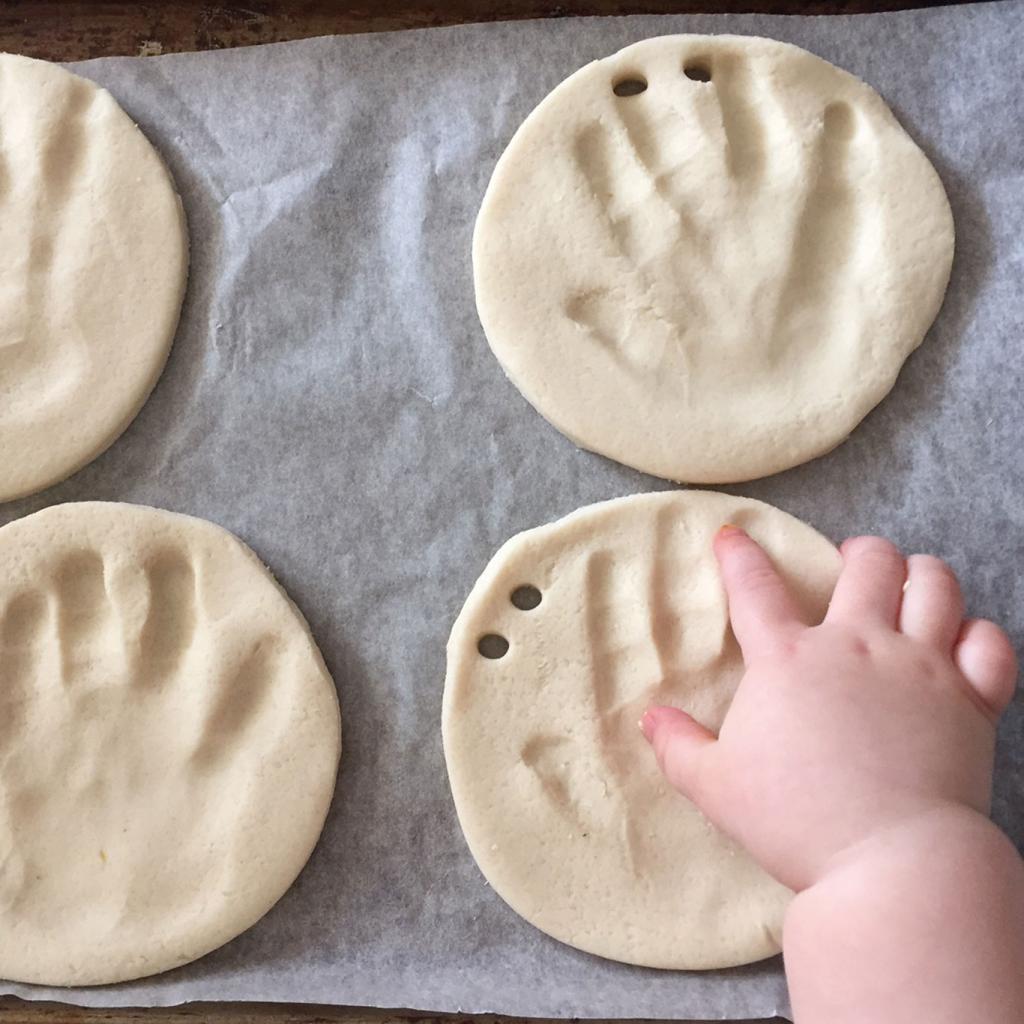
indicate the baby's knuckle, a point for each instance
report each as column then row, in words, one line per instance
column 835, row 643
column 856, row 646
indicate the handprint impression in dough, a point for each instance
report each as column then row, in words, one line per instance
column 38, row 315
column 644, row 637
column 744, row 231
column 106, row 667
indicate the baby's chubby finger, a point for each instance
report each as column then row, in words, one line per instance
column 933, row 606
column 681, row 745
column 761, row 609
column 986, row 658
column 870, row 586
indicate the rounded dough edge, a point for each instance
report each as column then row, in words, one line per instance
column 758, row 939
column 74, row 433
column 704, row 454
column 148, row 530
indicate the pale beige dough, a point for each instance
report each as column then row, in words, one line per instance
column 710, row 280
column 93, row 262
column 169, row 742
column 557, row 791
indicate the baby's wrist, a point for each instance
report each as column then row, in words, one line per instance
column 912, row 913
column 910, row 848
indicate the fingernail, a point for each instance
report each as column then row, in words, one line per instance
column 727, row 530
column 646, row 724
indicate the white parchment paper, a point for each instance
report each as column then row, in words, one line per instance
column 331, row 399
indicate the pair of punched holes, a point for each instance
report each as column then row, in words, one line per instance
column 494, row 645
column 695, row 70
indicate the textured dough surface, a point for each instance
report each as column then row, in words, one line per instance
column 93, row 261
column 169, row 741
column 712, row 280
column 557, row 792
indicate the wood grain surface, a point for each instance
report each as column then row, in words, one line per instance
column 12, row 1012
column 77, row 29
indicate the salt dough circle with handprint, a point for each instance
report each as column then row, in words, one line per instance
column 708, row 257
column 573, row 629
column 93, row 263
column 169, row 742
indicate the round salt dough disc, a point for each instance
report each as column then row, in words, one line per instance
column 169, row 742
column 93, row 262
column 717, row 277
column 557, row 792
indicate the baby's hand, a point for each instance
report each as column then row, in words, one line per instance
column 883, row 714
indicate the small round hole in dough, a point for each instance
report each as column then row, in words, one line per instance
column 632, row 85
column 697, row 69
column 492, row 646
column 526, row 597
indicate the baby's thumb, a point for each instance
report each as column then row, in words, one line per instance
column 681, row 745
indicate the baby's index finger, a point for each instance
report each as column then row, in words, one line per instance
column 761, row 608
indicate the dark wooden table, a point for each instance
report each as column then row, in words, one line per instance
column 243, row 1013
column 77, row 29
